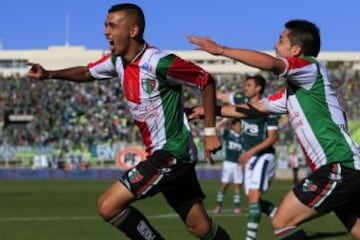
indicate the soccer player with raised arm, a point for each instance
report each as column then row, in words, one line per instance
column 152, row 83
column 319, row 124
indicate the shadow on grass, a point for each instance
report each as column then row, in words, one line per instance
column 327, row 235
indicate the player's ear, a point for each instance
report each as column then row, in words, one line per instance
column 296, row 50
column 134, row 31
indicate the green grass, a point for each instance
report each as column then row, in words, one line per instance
column 66, row 209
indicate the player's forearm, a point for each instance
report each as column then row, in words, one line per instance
column 242, row 111
column 209, row 102
column 75, row 74
column 255, row 59
column 229, row 111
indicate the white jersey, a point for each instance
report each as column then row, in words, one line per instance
column 315, row 114
column 152, row 84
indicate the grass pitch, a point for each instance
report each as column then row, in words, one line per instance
column 66, row 209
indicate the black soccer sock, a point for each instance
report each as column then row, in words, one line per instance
column 134, row 224
column 268, row 208
column 216, row 233
column 291, row 233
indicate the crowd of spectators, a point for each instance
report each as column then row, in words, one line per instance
column 69, row 115
column 65, row 114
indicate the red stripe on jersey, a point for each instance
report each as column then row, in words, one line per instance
column 277, row 95
column 295, row 62
column 308, row 159
column 189, row 72
column 145, row 133
column 132, row 82
column 103, row 59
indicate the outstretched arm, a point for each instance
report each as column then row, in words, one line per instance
column 249, row 57
column 254, row 110
column 245, row 110
column 75, row 74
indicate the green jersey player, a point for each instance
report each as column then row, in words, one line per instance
column 258, row 157
column 231, row 169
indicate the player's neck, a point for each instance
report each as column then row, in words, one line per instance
column 255, row 99
column 140, row 49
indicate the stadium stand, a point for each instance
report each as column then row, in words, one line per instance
column 72, row 121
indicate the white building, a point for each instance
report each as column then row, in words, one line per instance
column 14, row 61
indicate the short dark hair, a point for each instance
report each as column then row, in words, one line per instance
column 134, row 10
column 259, row 81
column 235, row 121
column 305, row 34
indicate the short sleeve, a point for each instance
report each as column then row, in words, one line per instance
column 276, row 103
column 103, row 68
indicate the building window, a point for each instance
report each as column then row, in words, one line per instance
column 13, row 63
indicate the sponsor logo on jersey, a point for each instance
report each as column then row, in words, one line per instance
column 145, row 66
column 251, row 129
column 135, row 176
column 335, row 177
column 309, row 186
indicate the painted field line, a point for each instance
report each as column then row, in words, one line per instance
column 227, row 213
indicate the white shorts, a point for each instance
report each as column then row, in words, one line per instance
column 259, row 171
column 231, row 172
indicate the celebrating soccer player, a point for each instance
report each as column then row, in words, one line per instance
column 319, row 124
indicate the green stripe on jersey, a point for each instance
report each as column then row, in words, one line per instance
column 164, row 66
column 177, row 134
column 315, row 106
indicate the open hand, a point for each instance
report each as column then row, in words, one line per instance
column 206, row 44
column 37, row 71
column 195, row 113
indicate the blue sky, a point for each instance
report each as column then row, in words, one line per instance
column 253, row 24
